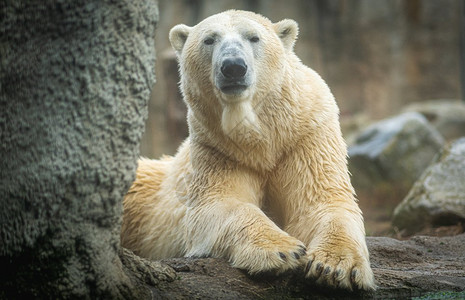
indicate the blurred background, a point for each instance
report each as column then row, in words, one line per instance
column 378, row 57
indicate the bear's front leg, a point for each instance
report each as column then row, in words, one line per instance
column 337, row 254
column 313, row 197
column 223, row 219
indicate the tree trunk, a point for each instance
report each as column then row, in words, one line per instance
column 75, row 81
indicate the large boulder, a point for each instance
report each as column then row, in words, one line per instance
column 438, row 197
column 75, row 79
column 447, row 116
column 390, row 155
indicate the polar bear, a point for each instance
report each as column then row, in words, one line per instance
column 262, row 179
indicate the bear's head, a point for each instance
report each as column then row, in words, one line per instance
column 232, row 58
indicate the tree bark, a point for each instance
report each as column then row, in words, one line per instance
column 75, row 81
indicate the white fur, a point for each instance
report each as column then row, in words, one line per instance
column 238, row 117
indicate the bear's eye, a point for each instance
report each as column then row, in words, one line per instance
column 254, row 39
column 209, row 41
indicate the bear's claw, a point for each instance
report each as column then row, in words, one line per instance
column 350, row 272
column 275, row 255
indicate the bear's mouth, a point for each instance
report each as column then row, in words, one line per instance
column 233, row 89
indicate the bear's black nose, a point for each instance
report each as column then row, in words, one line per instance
column 234, row 68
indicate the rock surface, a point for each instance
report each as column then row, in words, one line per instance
column 438, row 197
column 447, row 116
column 403, row 269
column 75, row 80
column 390, row 155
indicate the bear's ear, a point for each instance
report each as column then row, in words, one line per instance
column 287, row 31
column 178, row 36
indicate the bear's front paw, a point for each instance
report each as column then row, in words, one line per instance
column 340, row 266
column 270, row 251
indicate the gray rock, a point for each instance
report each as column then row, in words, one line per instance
column 447, row 116
column 390, row 155
column 438, row 197
column 75, row 80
